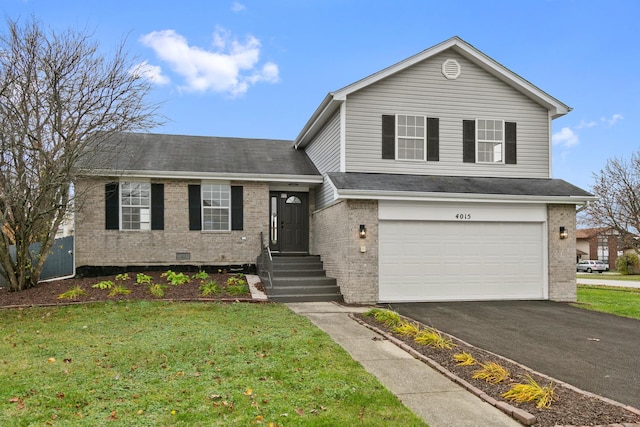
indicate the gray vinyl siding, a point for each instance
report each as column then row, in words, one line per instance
column 422, row 89
column 324, row 152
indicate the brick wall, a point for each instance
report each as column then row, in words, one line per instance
column 562, row 252
column 336, row 239
column 96, row 246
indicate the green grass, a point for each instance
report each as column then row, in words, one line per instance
column 619, row 301
column 156, row 363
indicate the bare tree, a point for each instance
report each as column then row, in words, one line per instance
column 618, row 207
column 59, row 98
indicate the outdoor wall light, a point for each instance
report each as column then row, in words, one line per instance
column 563, row 233
column 363, row 231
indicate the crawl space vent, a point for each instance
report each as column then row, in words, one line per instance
column 183, row 256
column 451, row 69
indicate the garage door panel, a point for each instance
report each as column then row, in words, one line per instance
column 444, row 261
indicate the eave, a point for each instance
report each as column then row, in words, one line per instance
column 300, row 179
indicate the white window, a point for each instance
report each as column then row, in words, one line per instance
column 490, row 138
column 216, row 206
column 135, row 202
column 411, row 137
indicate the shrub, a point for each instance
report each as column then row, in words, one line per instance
column 210, row 287
column 464, row 359
column 491, row 372
column 433, row 338
column 238, row 279
column 105, row 284
column 119, row 290
column 625, row 263
column 200, row 275
column 531, row 392
column 176, row 279
column 157, row 290
column 142, row 278
column 73, row 293
column 122, row 277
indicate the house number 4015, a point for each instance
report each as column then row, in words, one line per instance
column 463, row 216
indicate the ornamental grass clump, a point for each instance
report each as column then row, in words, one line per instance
column 73, row 293
column 407, row 329
column 119, row 290
column 433, row 338
column 532, row 392
column 464, row 359
column 491, row 372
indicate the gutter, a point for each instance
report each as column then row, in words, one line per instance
column 464, row 197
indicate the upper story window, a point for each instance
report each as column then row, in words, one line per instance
column 135, row 205
column 216, row 205
column 490, row 140
column 411, row 137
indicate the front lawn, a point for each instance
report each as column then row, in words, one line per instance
column 618, row 301
column 141, row 363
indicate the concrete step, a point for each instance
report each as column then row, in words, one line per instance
column 304, row 290
column 307, row 298
column 287, row 282
column 295, row 259
column 299, row 273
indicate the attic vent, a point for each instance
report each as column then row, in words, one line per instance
column 451, row 69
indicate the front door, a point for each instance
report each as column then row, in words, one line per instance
column 289, row 226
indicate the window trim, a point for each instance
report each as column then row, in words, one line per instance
column 501, row 141
column 228, row 208
column 424, row 137
column 122, row 205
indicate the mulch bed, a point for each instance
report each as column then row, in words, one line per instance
column 569, row 407
column 46, row 293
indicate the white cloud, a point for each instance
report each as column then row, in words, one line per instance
column 584, row 124
column 566, row 137
column 613, row 120
column 237, row 7
column 150, row 72
column 230, row 66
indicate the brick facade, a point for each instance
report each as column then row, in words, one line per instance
column 96, row 246
column 337, row 241
column 562, row 252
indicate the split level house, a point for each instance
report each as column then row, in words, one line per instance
column 427, row 181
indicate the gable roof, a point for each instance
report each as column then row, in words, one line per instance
column 333, row 100
column 355, row 185
column 199, row 157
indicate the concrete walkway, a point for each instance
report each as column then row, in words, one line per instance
column 439, row 401
column 603, row 281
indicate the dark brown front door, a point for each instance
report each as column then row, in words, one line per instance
column 289, row 231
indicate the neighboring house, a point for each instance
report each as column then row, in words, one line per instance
column 427, row 181
column 604, row 244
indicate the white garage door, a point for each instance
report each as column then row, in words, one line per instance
column 449, row 261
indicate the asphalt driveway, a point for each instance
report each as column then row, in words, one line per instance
column 593, row 351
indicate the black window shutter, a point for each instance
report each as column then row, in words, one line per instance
column 157, row 206
column 236, row 208
column 195, row 217
column 510, row 147
column 112, row 206
column 433, row 139
column 469, row 141
column 388, row 137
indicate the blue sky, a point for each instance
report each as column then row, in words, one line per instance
column 258, row 68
